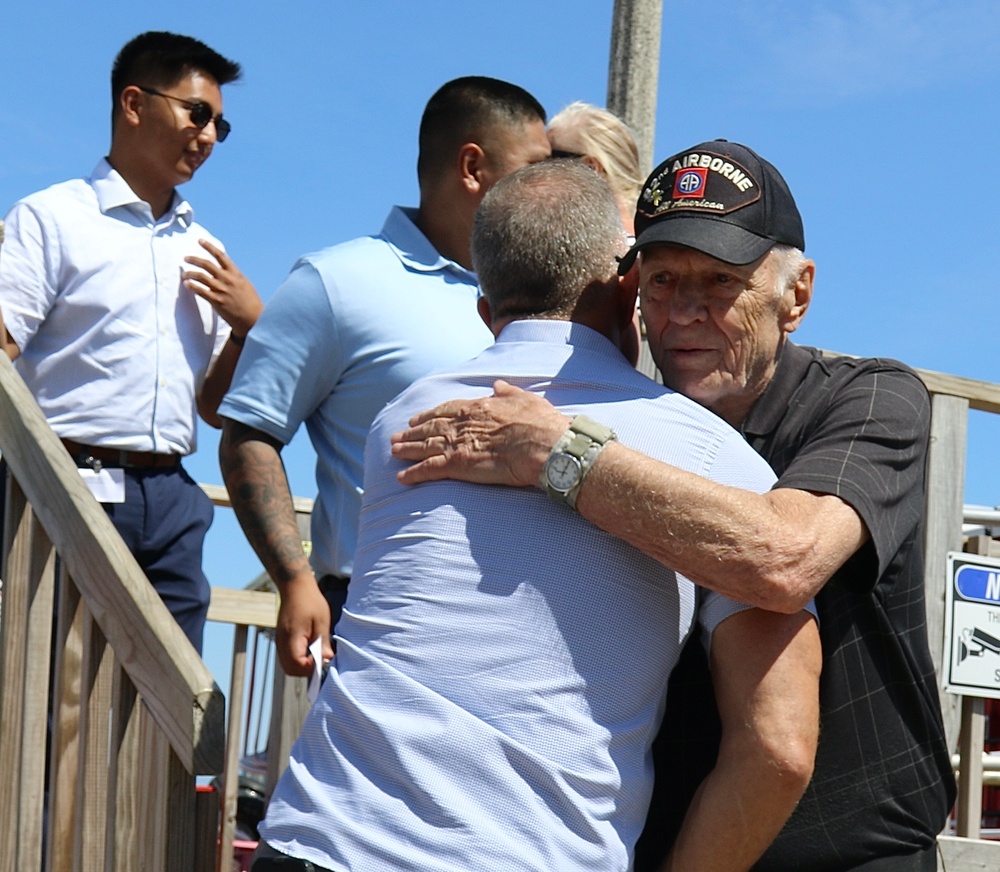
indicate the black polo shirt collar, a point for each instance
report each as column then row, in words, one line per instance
column 772, row 405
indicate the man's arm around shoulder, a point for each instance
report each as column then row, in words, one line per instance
column 774, row 550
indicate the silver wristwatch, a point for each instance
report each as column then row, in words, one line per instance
column 572, row 457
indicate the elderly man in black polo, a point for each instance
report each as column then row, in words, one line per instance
column 723, row 283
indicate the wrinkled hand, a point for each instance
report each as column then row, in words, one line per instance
column 503, row 439
column 304, row 615
column 220, row 282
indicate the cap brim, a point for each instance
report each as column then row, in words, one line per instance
column 718, row 239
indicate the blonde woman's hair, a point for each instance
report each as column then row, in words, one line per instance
column 597, row 133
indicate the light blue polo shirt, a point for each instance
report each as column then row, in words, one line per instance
column 349, row 329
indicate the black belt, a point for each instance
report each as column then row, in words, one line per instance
column 924, row 860
column 97, row 456
column 333, row 583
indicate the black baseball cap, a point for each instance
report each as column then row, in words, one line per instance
column 720, row 198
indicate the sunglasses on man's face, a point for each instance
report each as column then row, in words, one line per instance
column 201, row 113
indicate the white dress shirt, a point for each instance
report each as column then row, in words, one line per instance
column 113, row 346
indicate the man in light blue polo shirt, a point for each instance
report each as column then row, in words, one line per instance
column 351, row 327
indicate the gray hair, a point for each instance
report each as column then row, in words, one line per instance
column 788, row 264
column 542, row 236
column 602, row 135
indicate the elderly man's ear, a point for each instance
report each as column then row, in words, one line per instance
column 799, row 297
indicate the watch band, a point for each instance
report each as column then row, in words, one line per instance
column 579, row 446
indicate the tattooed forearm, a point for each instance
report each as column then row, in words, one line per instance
column 258, row 487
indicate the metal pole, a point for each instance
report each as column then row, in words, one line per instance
column 634, row 68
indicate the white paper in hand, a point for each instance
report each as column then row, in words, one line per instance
column 316, row 679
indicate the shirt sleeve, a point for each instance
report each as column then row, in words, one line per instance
column 29, row 267
column 869, row 447
column 292, row 361
column 736, row 465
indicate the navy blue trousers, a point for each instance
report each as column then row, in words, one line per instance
column 163, row 521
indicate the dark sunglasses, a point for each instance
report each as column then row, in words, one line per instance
column 201, row 113
column 557, row 153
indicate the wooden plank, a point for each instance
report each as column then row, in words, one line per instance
column 983, row 396
column 248, row 607
column 230, row 775
column 13, row 654
column 162, row 663
column 123, row 850
column 943, row 529
column 152, row 791
column 38, row 641
column 179, row 815
column 289, row 707
column 969, row 807
column 98, row 685
column 967, row 855
column 64, row 826
column 978, row 545
column 206, row 830
column 144, row 786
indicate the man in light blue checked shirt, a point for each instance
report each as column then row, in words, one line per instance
column 501, row 664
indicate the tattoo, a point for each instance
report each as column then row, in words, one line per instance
column 258, row 487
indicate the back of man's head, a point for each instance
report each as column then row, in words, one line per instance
column 544, row 238
column 469, row 109
column 158, row 59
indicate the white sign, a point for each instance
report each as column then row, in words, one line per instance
column 971, row 662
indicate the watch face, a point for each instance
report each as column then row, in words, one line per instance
column 562, row 471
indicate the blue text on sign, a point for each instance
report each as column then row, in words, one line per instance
column 978, row 584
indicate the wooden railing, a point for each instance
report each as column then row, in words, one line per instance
column 135, row 713
column 131, row 715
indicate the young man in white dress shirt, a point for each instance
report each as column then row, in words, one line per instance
column 125, row 317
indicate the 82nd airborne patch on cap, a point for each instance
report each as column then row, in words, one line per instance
column 699, row 182
column 690, row 183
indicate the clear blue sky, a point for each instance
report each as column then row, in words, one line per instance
column 882, row 115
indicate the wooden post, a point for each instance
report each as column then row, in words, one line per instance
column 13, row 632
column 969, row 807
column 633, row 73
column 65, row 778
column 633, row 69
column 289, row 707
column 943, row 529
column 97, row 688
column 231, row 774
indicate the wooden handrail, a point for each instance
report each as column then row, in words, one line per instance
column 176, row 686
column 983, row 396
